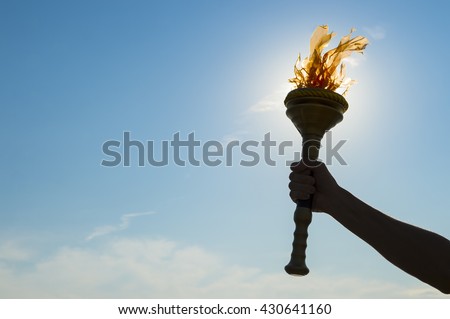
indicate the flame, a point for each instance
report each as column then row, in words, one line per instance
column 327, row 71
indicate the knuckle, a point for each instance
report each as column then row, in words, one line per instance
column 291, row 176
column 291, row 186
column 292, row 196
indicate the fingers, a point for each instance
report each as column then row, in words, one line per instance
column 302, row 178
column 299, row 193
column 302, row 187
column 302, row 183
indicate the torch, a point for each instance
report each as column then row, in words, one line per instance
column 314, row 107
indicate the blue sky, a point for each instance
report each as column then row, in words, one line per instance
column 77, row 74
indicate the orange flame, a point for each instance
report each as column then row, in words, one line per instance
column 327, row 71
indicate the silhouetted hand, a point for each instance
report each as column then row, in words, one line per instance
column 314, row 180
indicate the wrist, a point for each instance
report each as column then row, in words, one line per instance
column 336, row 201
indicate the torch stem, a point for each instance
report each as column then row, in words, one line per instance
column 310, row 150
column 303, row 215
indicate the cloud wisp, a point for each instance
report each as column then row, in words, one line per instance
column 376, row 32
column 272, row 101
column 124, row 224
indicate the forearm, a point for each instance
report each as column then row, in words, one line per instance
column 421, row 253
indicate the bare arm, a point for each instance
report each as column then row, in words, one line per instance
column 421, row 253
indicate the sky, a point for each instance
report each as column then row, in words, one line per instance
column 76, row 76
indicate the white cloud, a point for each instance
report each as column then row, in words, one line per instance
column 354, row 61
column 148, row 268
column 376, row 32
column 272, row 101
column 11, row 251
column 124, row 224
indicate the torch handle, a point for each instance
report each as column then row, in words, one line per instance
column 302, row 218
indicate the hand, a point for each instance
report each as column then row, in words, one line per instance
column 314, row 180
